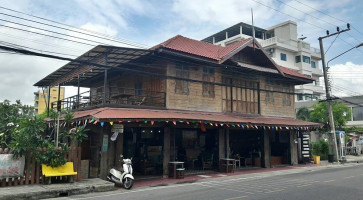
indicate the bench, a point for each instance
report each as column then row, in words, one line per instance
column 63, row 170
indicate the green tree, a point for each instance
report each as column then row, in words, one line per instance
column 320, row 113
column 303, row 114
column 10, row 115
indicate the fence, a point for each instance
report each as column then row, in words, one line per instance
column 32, row 169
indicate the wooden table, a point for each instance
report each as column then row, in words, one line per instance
column 227, row 162
column 174, row 165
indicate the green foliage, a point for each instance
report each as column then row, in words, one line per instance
column 10, row 115
column 76, row 134
column 320, row 113
column 352, row 129
column 27, row 136
column 321, row 149
column 303, row 114
column 51, row 155
column 23, row 132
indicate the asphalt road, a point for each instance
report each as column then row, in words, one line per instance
column 335, row 183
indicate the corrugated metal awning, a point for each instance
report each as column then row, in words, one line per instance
column 82, row 66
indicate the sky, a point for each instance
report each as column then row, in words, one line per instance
column 144, row 24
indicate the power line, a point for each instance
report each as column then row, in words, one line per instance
column 42, row 43
column 276, row 10
column 22, row 46
column 344, row 21
column 342, row 99
column 47, row 35
column 92, row 35
column 63, row 24
column 51, row 31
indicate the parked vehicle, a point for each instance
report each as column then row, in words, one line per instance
column 360, row 143
column 124, row 176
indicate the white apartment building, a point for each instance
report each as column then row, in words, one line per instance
column 285, row 48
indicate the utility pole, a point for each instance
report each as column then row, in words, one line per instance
column 327, row 90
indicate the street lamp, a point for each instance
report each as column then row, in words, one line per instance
column 359, row 45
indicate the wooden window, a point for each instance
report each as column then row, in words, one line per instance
column 240, row 96
column 208, row 76
column 182, row 86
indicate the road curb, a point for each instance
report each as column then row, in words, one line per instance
column 55, row 190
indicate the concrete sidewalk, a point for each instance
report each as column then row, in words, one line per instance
column 354, row 159
column 99, row 185
column 55, row 190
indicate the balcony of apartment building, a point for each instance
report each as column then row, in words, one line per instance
column 287, row 44
column 114, row 97
column 313, row 88
column 315, row 53
column 307, row 65
column 356, row 118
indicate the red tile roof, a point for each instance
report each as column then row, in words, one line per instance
column 109, row 114
column 199, row 48
column 215, row 52
column 294, row 73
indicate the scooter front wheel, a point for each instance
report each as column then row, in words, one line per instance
column 128, row 183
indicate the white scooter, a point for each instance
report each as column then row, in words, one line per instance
column 123, row 177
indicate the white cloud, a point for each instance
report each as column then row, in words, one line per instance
column 346, row 79
column 219, row 12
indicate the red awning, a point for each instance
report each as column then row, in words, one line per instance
column 126, row 114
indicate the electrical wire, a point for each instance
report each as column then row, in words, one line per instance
column 22, row 46
column 66, row 25
column 332, row 43
column 344, row 21
column 100, row 37
column 33, row 27
column 42, row 43
column 276, row 10
column 47, row 35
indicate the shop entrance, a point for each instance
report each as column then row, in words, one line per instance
column 197, row 149
column 246, row 146
column 145, row 146
column 280, row 147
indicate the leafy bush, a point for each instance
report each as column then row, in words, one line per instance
column 27, row 136
column 51, row 155
column 321, row 149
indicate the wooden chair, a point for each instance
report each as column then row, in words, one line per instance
column 207, row 161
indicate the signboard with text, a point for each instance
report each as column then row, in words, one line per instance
column 10, row 167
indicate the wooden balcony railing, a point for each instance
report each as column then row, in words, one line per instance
column 115, row 97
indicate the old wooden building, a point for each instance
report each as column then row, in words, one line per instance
column 184, row 100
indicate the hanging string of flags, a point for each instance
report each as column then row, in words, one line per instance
column 204, row 124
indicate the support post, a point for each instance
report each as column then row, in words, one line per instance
column 221, row 146
column 327, row 90
column 48, row 103
column 228, row 151
column 328, row 98
column 293, row 148
column 166, row 158
column 78, row 99
column 105, row 82
column 266, row 149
